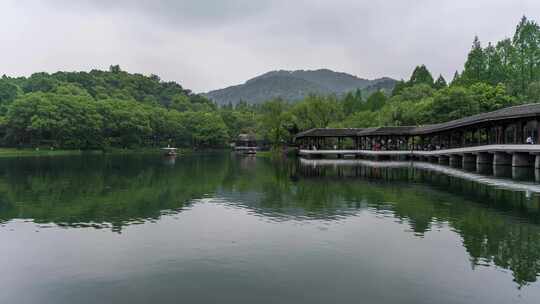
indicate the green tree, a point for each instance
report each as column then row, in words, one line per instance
column 276, row 121
column 421, row 75
column 490, row 98
column 440, row 83
column 453, row 103
column 323, row 110
column 375, row 101
column 495, row 70
column 475, row 66
column 362, row 119
column 507, row 56
column 8, row 91
column 399, row 86
column 456, row 79
column 206, row 129
column 352, row 102
column 533, row 92
column 527, row 44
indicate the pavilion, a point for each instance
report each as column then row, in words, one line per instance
column 502, row 131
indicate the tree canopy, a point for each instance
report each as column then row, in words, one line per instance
column 114, row 108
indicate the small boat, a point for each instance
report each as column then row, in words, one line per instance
column 170, row 151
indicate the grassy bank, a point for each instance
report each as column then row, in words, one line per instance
column 28, row 152
column 14, row 152
column 277, row 152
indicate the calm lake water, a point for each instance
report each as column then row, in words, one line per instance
column 227, row 229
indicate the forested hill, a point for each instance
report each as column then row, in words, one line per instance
column 114, row 83
column 101, row 109
column 295, row 85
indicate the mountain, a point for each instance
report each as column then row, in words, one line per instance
column 295, row 85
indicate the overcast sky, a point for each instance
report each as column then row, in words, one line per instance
column 210, row 44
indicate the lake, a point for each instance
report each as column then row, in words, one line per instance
column 219, row 228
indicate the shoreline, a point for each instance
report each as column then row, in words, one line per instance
column 32, row 152
column 27, row 152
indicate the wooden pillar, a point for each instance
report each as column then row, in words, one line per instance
column 536, row 140
column 515, row 134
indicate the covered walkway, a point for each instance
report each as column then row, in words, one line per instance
column 499, row 137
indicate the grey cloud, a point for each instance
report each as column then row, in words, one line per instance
column 199, row 13
column 208, row 44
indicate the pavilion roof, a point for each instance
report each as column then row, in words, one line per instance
column 527, row 110
column 329, row 132
column 405, row 130
column 246, row 137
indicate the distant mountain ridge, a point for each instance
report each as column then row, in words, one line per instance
column 295, row 85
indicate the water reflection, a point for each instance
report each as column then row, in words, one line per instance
column 169, row 160
column 498, row 226
column 497, row 219
column 102, row 192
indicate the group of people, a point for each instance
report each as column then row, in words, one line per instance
column 389, row 145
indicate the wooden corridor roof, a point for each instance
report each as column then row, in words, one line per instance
column 527, row 110
column 328, row 132
column 521, row 111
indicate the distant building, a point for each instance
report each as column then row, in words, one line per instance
column 246, row 143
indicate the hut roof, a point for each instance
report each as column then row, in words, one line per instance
column 246, row 137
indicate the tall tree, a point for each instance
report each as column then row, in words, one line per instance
column 398, row 87
column 440, row 83
column 456, row 79
column 352, row 102
column 494, row 67
column 421, row 75
column 276, row 120
column 475, row 66
column 527, row 43
column 376, row 101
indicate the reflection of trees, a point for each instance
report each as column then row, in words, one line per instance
column 115, row 192
column 279, row 194
column 497, row 226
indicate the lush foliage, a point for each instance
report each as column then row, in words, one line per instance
column 494, row 77
column 101, row 109
column 113, row 108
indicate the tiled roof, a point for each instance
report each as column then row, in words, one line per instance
column 528, row 110
column 327, row 132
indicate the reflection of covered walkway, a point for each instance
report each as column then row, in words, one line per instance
column 498, row 138
column 496, row 177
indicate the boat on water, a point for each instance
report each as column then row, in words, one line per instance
column 170, row 152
